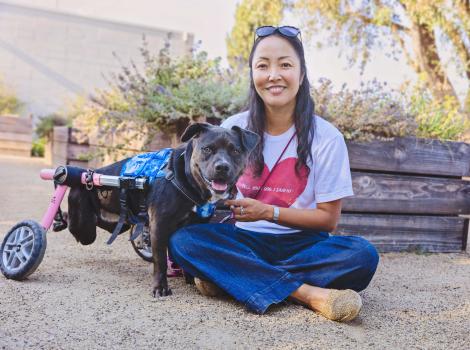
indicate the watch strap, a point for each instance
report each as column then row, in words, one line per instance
column 276, row 214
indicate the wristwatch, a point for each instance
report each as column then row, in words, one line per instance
column 276, row 214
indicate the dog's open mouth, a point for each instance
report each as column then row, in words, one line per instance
column 218, row 186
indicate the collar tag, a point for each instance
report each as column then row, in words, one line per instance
column 206, row 210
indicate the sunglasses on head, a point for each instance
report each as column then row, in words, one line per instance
column 288, row 31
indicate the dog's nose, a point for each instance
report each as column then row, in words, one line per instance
column 222, row 168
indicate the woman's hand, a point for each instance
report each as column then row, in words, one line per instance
column 324, row 217
column 248, row 209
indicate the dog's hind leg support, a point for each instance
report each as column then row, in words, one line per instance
column 60, row 222
column 122, row 215
column 143, row 217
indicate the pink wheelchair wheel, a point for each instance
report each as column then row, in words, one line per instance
column 22, row 250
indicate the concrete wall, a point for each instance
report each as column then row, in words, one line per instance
column 48, row 57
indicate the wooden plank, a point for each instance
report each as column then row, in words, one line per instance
column 399, row 232
column 78, row 163
column 406, row 233
column 466, row 231
column 411, row 155
column 61, row 133
column 16, row 136
column 77, row 152
column 16, row 152
column 78, row 136
column 16, row 124
column 59, row 153
column 15, row 145
column 379, row 193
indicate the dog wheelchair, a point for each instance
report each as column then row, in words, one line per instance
column 23, row 248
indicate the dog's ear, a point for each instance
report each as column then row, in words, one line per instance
column 194, row 130
column 249, row 139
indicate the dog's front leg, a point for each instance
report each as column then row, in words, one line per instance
column 159, row 243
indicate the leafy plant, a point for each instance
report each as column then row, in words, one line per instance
column 9, row 103
column 364, row 114
column 168, row 93
column 439, row 119
column 37, row 149
column 165, row 95
column 46, row 124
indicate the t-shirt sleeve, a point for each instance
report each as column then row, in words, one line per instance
column 332, row 172
column 227, row 124
column 237, row 119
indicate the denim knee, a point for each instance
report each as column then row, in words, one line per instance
column 180, row 243
column 367, row 264
column 188, row 241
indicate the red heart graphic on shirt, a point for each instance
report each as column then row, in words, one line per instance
column 283, row 187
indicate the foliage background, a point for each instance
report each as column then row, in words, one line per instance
column 249, row 15
column 169, row 93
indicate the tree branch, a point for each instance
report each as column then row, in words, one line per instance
column 425, row 47
column 463, row 7
column 368, row 20
column 411, row 61
column 454, row 36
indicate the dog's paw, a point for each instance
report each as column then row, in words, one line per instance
column 161, row 292
column 160, row 286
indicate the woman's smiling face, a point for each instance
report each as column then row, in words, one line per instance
column 276, row 72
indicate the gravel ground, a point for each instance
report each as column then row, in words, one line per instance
column 98, row 297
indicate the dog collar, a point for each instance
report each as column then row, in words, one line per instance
column 205, row 211
column 170, row 176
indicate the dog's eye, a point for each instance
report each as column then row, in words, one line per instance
column 236, row 151
column 206, row 150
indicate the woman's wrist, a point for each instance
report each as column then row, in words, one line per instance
column 272, row 213
column 269, row 212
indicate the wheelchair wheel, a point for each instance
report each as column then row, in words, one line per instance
column 141, row 244
column 22, row 250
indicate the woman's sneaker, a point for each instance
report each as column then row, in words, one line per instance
column 206, row 288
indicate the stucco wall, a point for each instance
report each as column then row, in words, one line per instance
column 48, row 57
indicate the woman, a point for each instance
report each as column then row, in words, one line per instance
column 288, row 200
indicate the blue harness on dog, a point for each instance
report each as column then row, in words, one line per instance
column 148, row 165
column 152, row 165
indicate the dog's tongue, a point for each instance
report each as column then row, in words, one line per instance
column 218, row 186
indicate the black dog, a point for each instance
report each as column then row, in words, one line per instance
column 201, row 171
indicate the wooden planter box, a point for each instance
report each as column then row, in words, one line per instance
column 16, row 136
column 410, row 194
column 70, row 147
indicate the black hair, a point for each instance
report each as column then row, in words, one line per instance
column 303, row 113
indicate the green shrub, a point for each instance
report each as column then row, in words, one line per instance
column 165, row 96
column 168, row 93
column 439, row 119
column 46, row 124
column 9, row 103
column 364, row 114
column 37, row 149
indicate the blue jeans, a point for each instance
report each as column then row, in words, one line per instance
column 260, row 269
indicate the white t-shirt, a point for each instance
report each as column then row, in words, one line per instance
column 329, row 178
